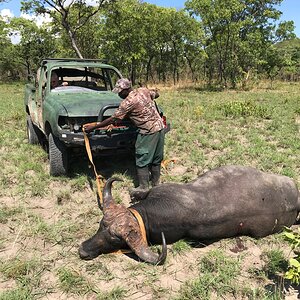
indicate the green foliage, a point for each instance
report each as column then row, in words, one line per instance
column 293, row 238
column 36, row 43
column 69, row 19
column 290, row 51
column 218, row 41
column 159, row 40
column 236, row 42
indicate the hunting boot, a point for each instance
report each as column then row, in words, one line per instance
column 141, row 192
column 155, row 175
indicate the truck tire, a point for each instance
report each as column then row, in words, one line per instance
column 58, row 156
column 33, row 133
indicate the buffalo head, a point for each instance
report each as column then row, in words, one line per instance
column 119, row 229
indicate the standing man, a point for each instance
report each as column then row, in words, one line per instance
column 139, row 106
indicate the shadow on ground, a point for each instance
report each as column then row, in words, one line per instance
column 107, row 166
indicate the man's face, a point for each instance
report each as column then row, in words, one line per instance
column 124, row 93
column 54, row 82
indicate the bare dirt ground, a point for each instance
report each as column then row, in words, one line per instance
column 49, row 229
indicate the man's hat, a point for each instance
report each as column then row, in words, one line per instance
column 122, row 84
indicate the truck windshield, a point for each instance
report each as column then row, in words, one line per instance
column 83, row 79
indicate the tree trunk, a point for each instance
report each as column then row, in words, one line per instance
column 148, row 67
column 175, row 69
column 191, row 67
column 70, row 33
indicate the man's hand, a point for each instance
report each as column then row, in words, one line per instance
column 110, row 127
column 89, row 127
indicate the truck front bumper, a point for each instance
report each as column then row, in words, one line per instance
column 101, row 140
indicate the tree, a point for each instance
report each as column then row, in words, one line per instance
column 273, row 62
column 285, row 31
column 8, row 63
column 123, row 37
column 72, row 15
column 150, row 41
column 290, row 50
column 238, row 33
column 36, row 43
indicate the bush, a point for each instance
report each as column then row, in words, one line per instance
column 244, row 109
column 293, row 239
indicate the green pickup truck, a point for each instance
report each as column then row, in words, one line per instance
column 55, row 115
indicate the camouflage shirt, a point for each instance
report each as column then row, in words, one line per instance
column 140, row 108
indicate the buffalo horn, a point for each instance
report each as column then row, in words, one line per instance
column 107, row 197
column 145, row 254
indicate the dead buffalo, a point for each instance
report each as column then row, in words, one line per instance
column 225, row 202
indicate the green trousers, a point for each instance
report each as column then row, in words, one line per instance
column 149, row 149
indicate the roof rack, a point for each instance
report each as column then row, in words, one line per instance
column 74, row 59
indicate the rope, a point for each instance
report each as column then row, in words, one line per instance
column 99, row 178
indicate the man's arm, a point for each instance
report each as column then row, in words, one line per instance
column 91, row 127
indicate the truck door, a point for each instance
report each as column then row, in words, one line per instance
column 41, row 95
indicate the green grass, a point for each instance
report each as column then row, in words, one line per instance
column 6, row 213
column 255, row 128
column 16, row 294
column 18, row 269
column 73, row 282
column 275, row 262
column 26, row 273
column 180, row 247
column 217, row 274
column 116, row 293
column 43, row 219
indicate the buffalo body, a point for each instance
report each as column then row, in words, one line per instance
column 224, row 202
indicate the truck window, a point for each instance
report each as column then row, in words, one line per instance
column 98, row 79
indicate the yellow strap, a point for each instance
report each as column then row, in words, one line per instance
column 99, row 178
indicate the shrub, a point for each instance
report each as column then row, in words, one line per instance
column 293, row 239
column 244, row 109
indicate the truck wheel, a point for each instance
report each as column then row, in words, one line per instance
column 58, row 156
column 33, row 133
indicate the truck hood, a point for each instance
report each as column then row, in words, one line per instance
column 84, row 104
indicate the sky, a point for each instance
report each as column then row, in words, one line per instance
column 290, row 9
